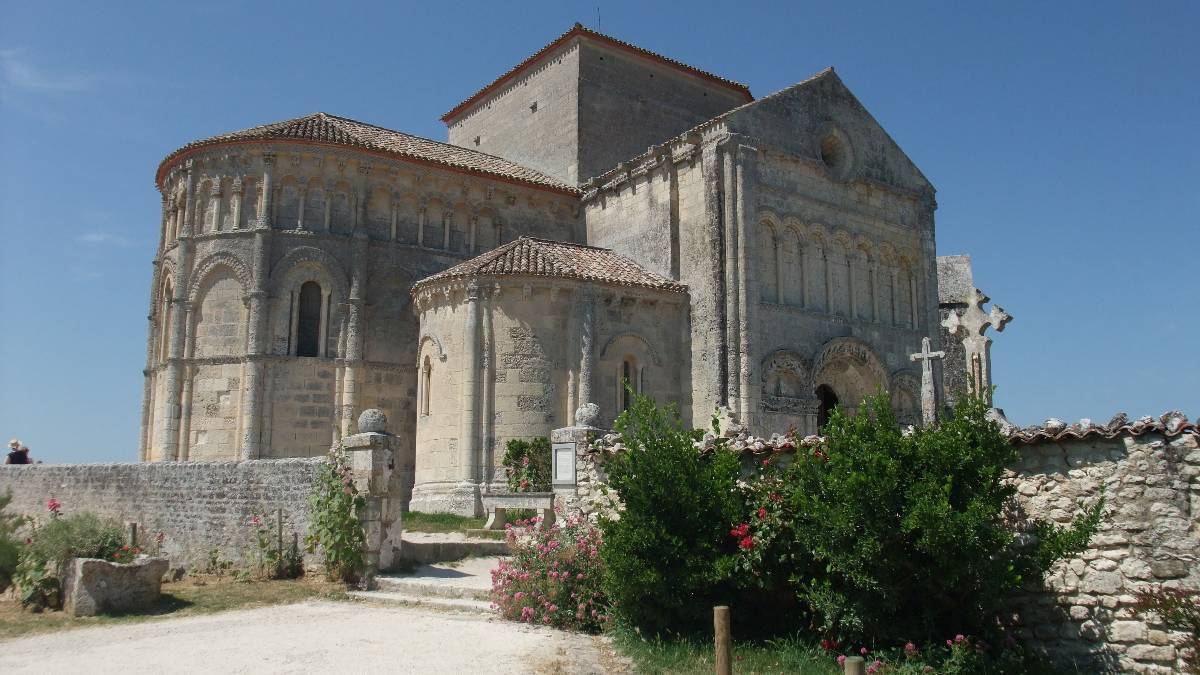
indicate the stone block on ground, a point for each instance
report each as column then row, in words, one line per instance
column 93, row 586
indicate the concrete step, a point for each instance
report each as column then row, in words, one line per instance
column 468, row 579
column 433, row 602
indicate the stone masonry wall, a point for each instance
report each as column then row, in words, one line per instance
column 1151, row 535
column 1085, row 614
column 198, row 506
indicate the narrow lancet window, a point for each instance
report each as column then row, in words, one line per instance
column 308, row 323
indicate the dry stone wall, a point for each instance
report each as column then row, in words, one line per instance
column 1149, row 473
column 198, row 506
column 1151, row 535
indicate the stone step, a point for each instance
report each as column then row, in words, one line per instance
column 433, row 602
column 425, row 548
column 418, row 586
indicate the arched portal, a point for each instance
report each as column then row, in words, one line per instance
column 827, row 400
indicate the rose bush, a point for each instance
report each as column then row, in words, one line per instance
column 889, row 535
column 553, row 576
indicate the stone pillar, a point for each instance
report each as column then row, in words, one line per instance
column 172, row 404
column 353, row 354
column 300, row 214
column 572, row 481
column 468, row 440
column 730, row 287
column 447, row 221
column 372, row 454
column 587, row 344
column 747, row 282
column 236, row 199
column 264, row 214
column 253, row 369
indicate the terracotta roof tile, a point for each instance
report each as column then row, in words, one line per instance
column 580, row 29
column 325, row 128
column 529, row 256
column 1172, row 423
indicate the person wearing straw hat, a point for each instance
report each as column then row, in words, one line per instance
column 17, row 453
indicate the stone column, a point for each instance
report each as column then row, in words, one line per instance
column 447, row 221
column 421, row 226
column 300, row 215
column 254, row 367
column 217, row 199
column 353, row 354
column 747, row 281
column 329, row 195
column 236, row 198
column 468, row 441
column 730, row 288
column 372, row 454
column 172, row 403
column 264, row 215
column 587, row 346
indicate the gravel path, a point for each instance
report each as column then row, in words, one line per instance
column 314, row 636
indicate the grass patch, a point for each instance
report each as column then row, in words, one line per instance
column 415, row 521
column 190, row 597
column 685, row 656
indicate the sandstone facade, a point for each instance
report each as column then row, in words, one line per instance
column 799, row 235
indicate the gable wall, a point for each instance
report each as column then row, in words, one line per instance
column 545, row 139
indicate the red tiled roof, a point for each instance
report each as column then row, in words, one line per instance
column 529, row 256
column 580, row 29
column 324, row 128
column 1172, row 423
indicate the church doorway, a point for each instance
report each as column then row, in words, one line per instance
column 827, row 400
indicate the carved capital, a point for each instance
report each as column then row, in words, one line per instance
column 268, row 158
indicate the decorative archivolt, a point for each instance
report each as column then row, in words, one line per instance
column 856, row 352
column 209, row 266
column 635, row 337
column 788, row 374
column 907, row 381
column 429, row 338
column 324, row 262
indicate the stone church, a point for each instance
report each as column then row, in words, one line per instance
column 600, row 214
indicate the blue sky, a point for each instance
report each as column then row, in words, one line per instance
column 1063, row 138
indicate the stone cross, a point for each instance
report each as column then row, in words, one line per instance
column 973, row 323
column 928, row 394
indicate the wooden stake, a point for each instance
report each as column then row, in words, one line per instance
column 855, row 665
column 721, row 633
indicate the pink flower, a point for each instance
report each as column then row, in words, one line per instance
column 766, row 462
column 525, row 460
column 910, row 648
column 875, row 666
column 255, row 520
column 959, row 639
column 864, row 651
column 841, row 659
column 746, row 543
column 740, row 532
column 762, row 513
column 54, row 505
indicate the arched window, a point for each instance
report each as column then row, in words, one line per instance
column 630, row 382
column 828, row 401
column 308, row 321
column 164, row 318
column 426, row 380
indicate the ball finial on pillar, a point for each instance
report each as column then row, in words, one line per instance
column 372, row 421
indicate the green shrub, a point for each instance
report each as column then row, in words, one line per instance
column 1178, row 609
column 554, row 576
column 527, row 465
column 10, row 547
column 43, row 560
column 667, row 560
column 335, row 527
column 889, row 536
